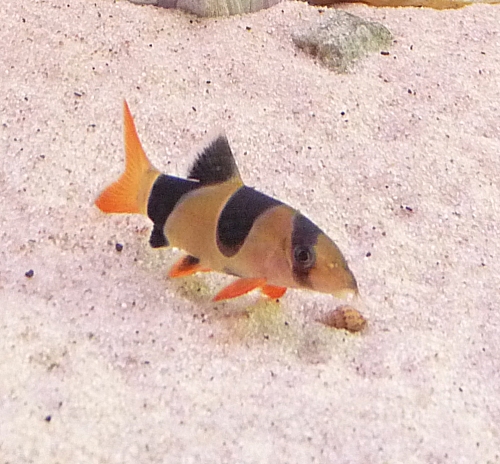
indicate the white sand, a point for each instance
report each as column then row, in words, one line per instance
column 133, row 368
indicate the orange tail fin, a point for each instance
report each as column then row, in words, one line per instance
column 129, row 194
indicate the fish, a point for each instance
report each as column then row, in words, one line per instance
column 226, row 226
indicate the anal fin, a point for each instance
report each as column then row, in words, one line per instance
column 239, row 287
column 186, row 266
column 273, row 292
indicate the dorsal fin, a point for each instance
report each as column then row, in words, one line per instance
column 215, row 163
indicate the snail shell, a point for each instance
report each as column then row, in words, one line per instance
column 345, row 317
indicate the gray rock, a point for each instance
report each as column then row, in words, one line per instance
column 212, row 8
column 338, row 39
column 145, row 2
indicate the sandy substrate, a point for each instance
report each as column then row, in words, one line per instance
column 103, row 360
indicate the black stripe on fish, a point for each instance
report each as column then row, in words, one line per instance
column 304, row 238
column 165, row 194
column 215, row 164
column 238, row 217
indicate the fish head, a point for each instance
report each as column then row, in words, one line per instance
column 317, row 262
column 330, row 272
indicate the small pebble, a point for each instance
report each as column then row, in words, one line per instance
column 119, row 247
column 345, row 317
column 29, row 274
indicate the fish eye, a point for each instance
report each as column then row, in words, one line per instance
column 304, row 256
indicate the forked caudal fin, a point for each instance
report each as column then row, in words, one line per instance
column 129, row 194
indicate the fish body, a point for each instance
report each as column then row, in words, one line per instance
column 226, row 226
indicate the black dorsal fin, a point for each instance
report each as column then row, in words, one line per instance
column 215, row 163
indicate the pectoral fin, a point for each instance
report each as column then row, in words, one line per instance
column 186, row 266
column 273, row 292
column 240, row 287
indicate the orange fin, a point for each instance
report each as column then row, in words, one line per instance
column 129, row 194
column 273, row 292
column 186, row 266
column 238, row 288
